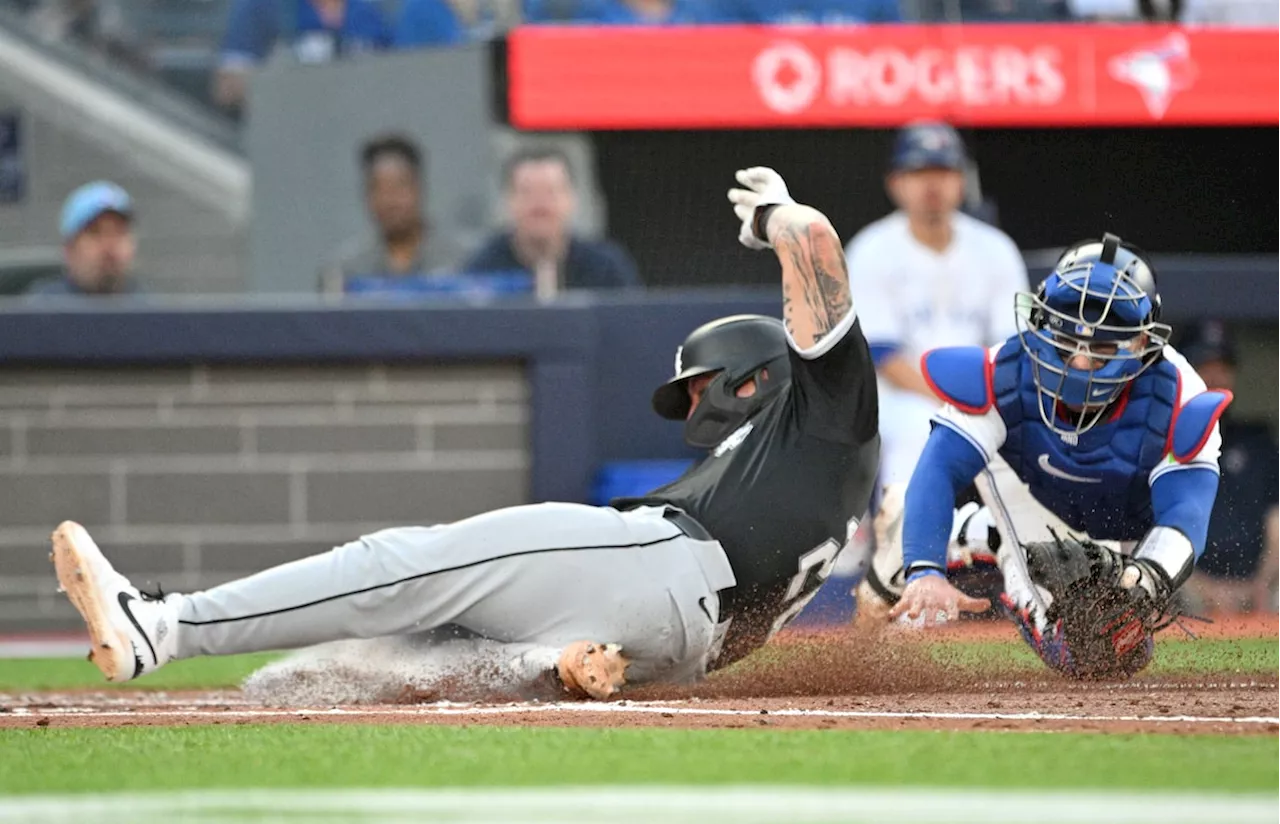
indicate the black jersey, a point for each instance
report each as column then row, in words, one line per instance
column 784, row 492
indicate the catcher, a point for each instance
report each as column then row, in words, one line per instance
column 1086, row 422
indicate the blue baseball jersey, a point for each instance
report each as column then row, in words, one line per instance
column 1152, row 461
column 617, row 13
column 813, row 12
column 427, row 23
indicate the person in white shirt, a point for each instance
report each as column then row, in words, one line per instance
column 928, row 276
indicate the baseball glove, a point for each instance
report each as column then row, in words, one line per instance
column 1099, row 624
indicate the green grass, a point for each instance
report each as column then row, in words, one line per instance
column 323, row 755
column 1174, row 657
column 231, row 756
column 24, row 674
column 1250, row 655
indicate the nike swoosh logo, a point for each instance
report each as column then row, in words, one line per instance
column 1100, row 393
column 702, row 602
column 124, row 599
column 1050, row 469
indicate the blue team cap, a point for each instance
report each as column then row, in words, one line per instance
column 85, row 204
column 928, row 145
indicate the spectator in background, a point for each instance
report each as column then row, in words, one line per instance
column 403, row 244
column 810, row 12
column 928, row 275
column 100, row 25
column 1228, row 13
column 98, row 245
column 621, row 12
column 990, row 11
column 313, row 31
column 538, row 187
column 1117, row 11
column 1239, row 568
column 445, row 22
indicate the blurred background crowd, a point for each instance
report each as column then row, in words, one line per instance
column 207, row 48
column 355, row 150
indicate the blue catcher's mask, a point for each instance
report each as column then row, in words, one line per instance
column 1089, row 330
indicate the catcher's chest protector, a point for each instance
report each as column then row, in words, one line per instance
column 1099, row 483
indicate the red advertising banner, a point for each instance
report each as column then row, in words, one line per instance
column 979, row 75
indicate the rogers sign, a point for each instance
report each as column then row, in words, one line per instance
column 979, row 75
column 789, row 78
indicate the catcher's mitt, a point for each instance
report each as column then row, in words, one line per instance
column 1100, row 624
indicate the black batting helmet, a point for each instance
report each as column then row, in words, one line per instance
column 739, row 348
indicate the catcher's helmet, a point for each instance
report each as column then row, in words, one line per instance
column 1100, row 301
column 739, row 348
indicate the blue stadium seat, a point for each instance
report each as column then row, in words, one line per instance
column 626, row 479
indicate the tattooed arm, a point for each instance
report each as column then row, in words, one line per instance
column 815, row 280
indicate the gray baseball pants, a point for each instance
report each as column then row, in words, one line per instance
column 543, row 575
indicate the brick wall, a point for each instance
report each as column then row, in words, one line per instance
column 195, row 475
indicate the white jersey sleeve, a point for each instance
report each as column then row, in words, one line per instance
column 871, row 283
column 828, row 341
column 985, row 432
column 1008, row 277
column 1191, row 385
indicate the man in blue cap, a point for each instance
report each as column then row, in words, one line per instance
column 98, row 244
column 928, row 276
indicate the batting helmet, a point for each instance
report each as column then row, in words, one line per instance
column 928, row 145
column 738, row 348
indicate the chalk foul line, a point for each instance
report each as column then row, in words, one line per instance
column 631, row 707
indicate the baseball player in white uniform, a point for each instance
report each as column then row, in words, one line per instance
column 928, row 276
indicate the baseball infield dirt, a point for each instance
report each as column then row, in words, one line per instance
column 813, row 680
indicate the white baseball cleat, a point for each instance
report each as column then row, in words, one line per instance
column 132, row 633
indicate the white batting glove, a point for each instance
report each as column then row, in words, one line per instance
column 764, row 187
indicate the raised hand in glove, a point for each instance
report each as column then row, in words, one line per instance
column 763, row 187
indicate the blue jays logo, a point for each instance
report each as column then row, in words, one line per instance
column 933, row 140
column 1158, row 71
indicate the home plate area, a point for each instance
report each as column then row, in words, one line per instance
column 831, row 683
column 1245, row 708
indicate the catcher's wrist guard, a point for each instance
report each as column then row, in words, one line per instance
column 1168, row 551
